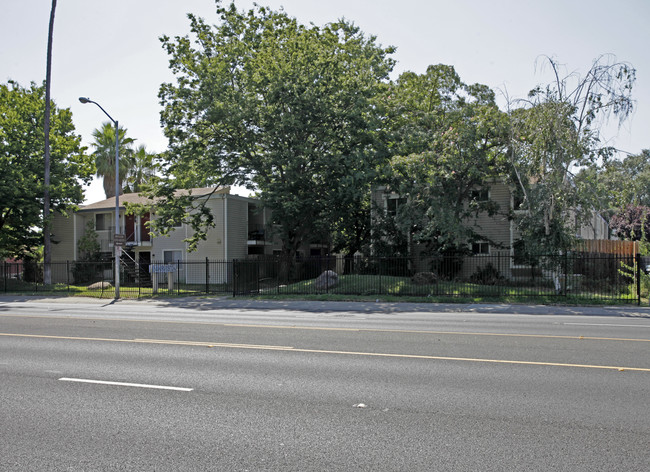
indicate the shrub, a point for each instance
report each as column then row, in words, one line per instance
column 424, row 278
column 487, row 275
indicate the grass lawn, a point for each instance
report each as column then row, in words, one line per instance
column 359, row 288
column 392, row 288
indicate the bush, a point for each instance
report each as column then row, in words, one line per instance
column 424, row 278
column 487, row 275
column 447, row 265
column 84, row 272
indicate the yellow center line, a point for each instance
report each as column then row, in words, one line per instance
column 414, row 331
column 325, row 351
column 209, row 344
column 352, row 330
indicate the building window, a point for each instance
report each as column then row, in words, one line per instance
column 102, row 221
column 481, row 247
column 480, row 195
column 392, row 205
column 171, row 257
column 517, row 199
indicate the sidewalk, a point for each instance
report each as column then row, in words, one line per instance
column 228, row 303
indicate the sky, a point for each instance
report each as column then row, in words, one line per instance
column 110, row 51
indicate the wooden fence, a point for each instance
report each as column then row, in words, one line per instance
column 608, row 246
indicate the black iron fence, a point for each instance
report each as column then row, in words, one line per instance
column 584, row 277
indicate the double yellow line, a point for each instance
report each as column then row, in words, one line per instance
column 324, row 351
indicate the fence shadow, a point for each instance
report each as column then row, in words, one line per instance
column 578, row 277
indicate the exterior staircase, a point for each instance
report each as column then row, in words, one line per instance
column 134, row 271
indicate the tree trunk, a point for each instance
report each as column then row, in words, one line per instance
column 109, row 186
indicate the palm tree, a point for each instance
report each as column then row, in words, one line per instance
column 105, row 156
column 142, row 170
column 47, row 239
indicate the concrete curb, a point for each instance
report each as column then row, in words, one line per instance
column 228, row 303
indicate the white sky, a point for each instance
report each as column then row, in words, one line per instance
column 109, row 50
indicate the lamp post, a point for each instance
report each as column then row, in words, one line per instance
column 117, row 194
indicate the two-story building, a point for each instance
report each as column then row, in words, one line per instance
column 502, row 239
column 240, row 231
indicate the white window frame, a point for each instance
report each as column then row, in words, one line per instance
column 396, row 198
column 480, row 245
column 173, row 261
column 108, row 221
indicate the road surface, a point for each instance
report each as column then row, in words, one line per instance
column 196, row 385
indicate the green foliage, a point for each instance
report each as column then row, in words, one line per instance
column 104, row 155
column 142, row 171
column 86, row 269
column 88, row 244
column 629, row 273
column 22, row 166
column 286, row 109
column 487, row 275
column 621, row 183
column 556, row 132
column 448, row 141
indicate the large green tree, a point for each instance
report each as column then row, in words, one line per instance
column 622, row 182
column 447, row 140
column 555, row 133
column 104, row 155
column 22, row 112
column 286, row 109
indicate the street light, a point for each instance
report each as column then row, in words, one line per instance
column 117, row 194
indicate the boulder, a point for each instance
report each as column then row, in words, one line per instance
column 100, row 286
column 326, row 280
column 425, row 278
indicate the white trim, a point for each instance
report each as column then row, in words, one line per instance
column 111, row 217
column 173, row 250
column 489, row 246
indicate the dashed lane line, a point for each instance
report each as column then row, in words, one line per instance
column 126, row 384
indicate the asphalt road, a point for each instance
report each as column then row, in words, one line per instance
column 232, row 385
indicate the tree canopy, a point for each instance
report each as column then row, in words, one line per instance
column 286, row 109
column 555, row 133
column 142, row 170
column 306, row 117
column 448, row 140
column 620, row 183
column 632, row 223
column 104, row 155
column 22, row 112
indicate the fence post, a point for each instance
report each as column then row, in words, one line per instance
column 207, row 276
column 638, row 278
column 234, row 278
column 327, row 280
column 566, row 272
column 67, row 273
column 5, row 275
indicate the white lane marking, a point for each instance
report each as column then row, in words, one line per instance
column 124, row 384
column 609, row 324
